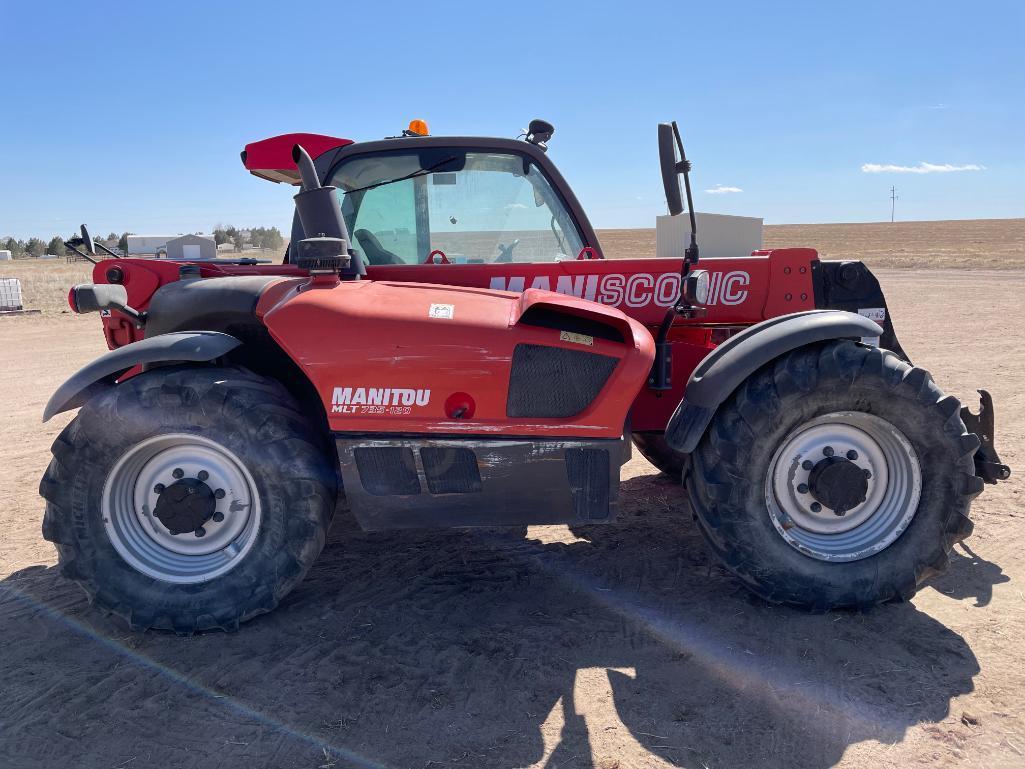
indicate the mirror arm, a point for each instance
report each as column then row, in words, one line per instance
column 70, row 247
column 661, row 376
column 691, row 254
column 96, row 243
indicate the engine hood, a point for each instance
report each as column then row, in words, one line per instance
column 418, row 358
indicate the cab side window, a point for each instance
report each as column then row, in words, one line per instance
column 475, row 207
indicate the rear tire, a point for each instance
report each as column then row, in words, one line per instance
column 654, row 448
column 233, row 440
column 742, row 481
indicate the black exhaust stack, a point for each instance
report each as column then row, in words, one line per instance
column 327, row 249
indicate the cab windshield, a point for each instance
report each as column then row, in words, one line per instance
column 474, row 207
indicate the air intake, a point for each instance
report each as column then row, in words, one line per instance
column 550, row 382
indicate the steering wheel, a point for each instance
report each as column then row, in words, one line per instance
column 505, row 252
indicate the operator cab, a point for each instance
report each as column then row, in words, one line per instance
column 474, row 207
column 420, row 199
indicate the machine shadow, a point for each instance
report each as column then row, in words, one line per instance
column 969, row 576
column 479, row 648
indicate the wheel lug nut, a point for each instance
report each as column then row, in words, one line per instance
column 807, row 464
column 219, row 493
column 816, row 507
column 178, row 472
column 868, row 473
column 203, row 474
column 828, row 451
column 218, row 517
column 852, row 455
column 159, row 488
column 802, row 488
column 200, row 532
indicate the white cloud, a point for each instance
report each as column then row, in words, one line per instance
column 921, row 168
column 719, row 189
column 514, row 205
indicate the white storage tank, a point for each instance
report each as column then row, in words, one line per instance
column 10, row 294
column 719, row 235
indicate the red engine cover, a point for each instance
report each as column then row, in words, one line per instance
column 398, row 357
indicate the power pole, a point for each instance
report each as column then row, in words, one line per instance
column 894, row 197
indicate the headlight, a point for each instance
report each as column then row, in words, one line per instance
column 695, row 287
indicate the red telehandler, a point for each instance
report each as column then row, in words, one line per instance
column 446, row 343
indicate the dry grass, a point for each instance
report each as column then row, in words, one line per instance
column 45, row 282
column 993, row 244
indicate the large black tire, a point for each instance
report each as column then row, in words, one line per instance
column 655, row 449
column 726, row 476
column 288, row 458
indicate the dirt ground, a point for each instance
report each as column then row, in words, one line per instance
column 614, row 647
column 991, row 244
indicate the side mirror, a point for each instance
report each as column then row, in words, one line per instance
column 91, row 297
column 670, row 167
column 87, row 241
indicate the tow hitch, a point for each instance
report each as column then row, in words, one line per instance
column 987, row 463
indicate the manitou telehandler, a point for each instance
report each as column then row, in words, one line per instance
column 467, row 357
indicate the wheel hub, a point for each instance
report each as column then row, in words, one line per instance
column 185, row 506
column 838, row 483
column 843, row 486
column 181, row 508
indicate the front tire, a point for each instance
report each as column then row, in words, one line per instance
column 838, row 476
column 189, row 499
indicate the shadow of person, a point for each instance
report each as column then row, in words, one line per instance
column 969, row 576
column 478, row 648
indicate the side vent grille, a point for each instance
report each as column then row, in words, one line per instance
column 450, row 470
column 555, row 382
column 588, row 473
column 384, row 471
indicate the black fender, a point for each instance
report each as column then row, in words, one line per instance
column 184, row 346
column 729, row 364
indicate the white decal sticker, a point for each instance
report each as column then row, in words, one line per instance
column 878, row 314
column 446, row 311
column 377, row 400
column 636, row 290
column 569, row 336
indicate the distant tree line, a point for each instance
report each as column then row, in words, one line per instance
column 268, row 238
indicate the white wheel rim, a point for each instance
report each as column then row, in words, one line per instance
column 130, row 496
column 894, row 486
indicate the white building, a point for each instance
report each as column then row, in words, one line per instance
column 147, row 244
column 719, row 235
column 191, row 247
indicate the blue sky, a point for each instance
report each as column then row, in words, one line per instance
column 130, row 116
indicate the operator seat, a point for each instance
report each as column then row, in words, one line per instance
column 376, row 253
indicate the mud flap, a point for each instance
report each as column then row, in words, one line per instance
column 987, row 462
